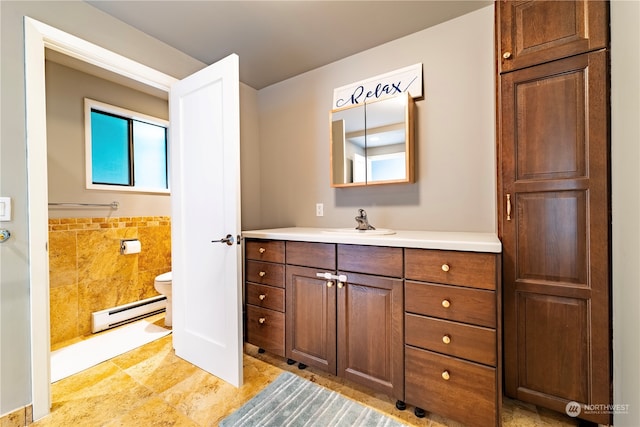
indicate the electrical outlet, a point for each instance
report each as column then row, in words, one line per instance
column 5, row 208
column 319, row 209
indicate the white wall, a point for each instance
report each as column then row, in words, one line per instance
column 455, row 137
column 625, row 177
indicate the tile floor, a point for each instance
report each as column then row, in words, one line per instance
column 151, row 386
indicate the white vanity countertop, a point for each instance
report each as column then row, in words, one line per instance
column 445, row 240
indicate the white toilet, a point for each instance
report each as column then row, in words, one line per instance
column 163, row 285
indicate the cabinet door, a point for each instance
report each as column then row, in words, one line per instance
column 555, row 227
column 370, row 332
column 534, row 32
column 311, row 318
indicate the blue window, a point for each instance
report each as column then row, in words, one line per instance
column 125, row 150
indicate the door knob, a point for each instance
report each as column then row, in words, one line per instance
column 4, row 235
column 228, row 240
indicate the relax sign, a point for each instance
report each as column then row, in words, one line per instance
column 408, row 79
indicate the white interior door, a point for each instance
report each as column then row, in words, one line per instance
column 204, row 111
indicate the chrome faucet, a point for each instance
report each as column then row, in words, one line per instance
column 363, row 222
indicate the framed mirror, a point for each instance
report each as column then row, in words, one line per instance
column 372, row 143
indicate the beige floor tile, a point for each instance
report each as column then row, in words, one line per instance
column 151, row 386
column 154, row 412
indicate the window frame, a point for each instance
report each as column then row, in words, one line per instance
column 92, row 104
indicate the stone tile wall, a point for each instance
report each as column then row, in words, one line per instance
column 87, row 273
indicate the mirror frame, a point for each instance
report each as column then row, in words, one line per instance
column 409, row 144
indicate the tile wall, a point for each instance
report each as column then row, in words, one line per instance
column 87, row 272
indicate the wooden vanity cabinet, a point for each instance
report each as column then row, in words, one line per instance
column 422, row 326
column 452, row 334
column 265, row 295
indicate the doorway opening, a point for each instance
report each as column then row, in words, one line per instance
column 39, row 36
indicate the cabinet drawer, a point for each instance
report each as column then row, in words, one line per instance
column 318, row 255
column 456, row 339
column 265, row 329
column 265, row 250
column 471, row 269
column 468, row 395
column 265, row 296
column 265, row 273
column 466, row 305
column 378, row 260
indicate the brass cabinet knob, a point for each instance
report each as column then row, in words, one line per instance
column 262, row 320
column 446, row 339
column 329, row 284
column 262, row 273
column 445, row 267
column 446, row 303
column 445, row 375
column 506, row 55
column 340, row 285
column 262, row 250
column 262, row 297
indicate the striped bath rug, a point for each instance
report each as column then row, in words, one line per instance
column 295, row 402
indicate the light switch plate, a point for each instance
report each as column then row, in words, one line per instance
column 5, row 208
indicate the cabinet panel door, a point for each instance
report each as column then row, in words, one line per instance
column 310, row 318
column 555, row 227
column 370, row 332
column 534, row 32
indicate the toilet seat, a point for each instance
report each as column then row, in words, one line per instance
column 164, row 277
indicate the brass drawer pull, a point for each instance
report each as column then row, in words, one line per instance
column 262, row 273
column 329, row 284
column 262, row 297
column 446, row 303
column 262, row 250
column 445, row 267
column 506, row 55
column 446, row 339
column 262, row 320
column 445, row 375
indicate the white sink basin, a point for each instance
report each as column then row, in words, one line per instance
column 354, row 232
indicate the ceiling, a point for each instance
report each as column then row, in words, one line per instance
column 276, row 40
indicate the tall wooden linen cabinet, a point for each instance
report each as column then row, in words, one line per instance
column 554, row 202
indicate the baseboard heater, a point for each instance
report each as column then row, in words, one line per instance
column 116, row 316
